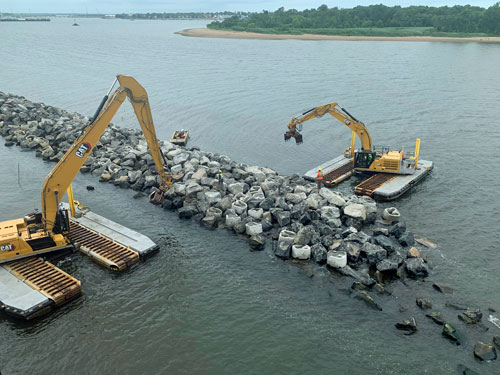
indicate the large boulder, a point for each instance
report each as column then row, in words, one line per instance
column 387, row 243
column 181, row 158
column 212, row 197
column 257, row 242
column 283, row 218
column 356, row 211
column 295, row 198
column 304, row 236
column 237, row 187
column 319, row 253
column 416, row 267
column 485, row 352
column 373, row 253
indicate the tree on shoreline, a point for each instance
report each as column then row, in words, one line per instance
column 455, row 19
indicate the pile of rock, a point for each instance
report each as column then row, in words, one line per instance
column 307, row 224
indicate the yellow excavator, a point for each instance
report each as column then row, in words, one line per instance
column 367, row 159
column 45, row 231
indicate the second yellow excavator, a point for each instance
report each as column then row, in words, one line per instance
column 45, row 231
column 367, row 159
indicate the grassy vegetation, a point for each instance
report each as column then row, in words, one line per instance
column 359, row 31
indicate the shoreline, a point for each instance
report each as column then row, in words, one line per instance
column 209, row 33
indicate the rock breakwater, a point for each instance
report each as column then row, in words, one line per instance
column 306, row 223
column 344, row 234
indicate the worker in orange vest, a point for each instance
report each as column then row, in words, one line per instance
column 319, row 178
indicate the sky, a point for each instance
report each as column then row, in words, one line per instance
column 172, row 6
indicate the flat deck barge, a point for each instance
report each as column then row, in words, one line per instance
column 32, row 287
column 334, row 171
column 380, row 186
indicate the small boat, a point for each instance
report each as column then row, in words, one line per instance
column 75, row 24
column 180, row 137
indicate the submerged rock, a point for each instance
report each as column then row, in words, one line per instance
column 450, row 332
column 424, row 303
column 416, row 267
column 436, row 317
column 363, row 296
column 409, row 325
column 470, row 317
column 485, row 352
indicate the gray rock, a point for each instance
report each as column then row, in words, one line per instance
column 450, row 332
column 319, row 253
column 409, row 325
column 381, row 231
column 257, row 242
column 181, row 158
column 360, row 237
column 416, row 267
column 186, row 212
column 193, row 188
column 387, row 266
column 304, row 236
column 485, row 352
column 470, row 317
column 209, row 221
column 283, row 218
column 212, row 197
column 295, row 198
column 443, row 287
column 374, row 253
column 464, row 370
column 424, row 303
column 353, row 252
column 329, row 213
column 355, row 211
column 397, row 230
column 406, row 239
column 237, row 187
column 436, row 317
column 368, row 300
column 387, row 243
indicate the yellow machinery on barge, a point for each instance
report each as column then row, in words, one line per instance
column 396, row 169
column 52, row 229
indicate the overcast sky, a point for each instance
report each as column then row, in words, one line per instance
column 145, row 6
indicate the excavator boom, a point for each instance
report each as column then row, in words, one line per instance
column 335, row 111
column 60, row 178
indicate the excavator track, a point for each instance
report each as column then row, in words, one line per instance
column 338, row 175
column 368, row 186
column 46, row 278
column 103, row 250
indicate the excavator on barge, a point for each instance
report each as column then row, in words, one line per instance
column 396, row 169
column 24, row 240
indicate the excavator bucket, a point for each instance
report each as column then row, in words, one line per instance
column 157, row 196
column 296, row 135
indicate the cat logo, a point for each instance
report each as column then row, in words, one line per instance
column 83, row 149
column 8, row 247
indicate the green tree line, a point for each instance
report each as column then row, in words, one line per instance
column 456, row 19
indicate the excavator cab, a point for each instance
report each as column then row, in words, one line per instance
column 364, row 159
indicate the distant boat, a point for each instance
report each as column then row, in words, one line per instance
column 75, row 24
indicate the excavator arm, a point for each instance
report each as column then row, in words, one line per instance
column 60, row 178
column 335, row 111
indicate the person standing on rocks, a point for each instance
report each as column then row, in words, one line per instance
column 319, row 178
column 220, row 178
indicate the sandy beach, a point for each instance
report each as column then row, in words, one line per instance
column 209, row 33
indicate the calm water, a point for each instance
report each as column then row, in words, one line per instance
column 207, row 305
